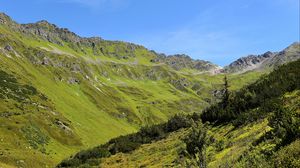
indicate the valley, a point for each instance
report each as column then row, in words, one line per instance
column 61, row 93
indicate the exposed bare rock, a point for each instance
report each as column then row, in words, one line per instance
column 291, row 53
column 73, row 80
column 75, row 67
column 181, row 61
column 45, row 61
column 8, row 48
column 62, row 125
column 248, row 63
column 180, row 84
column 266, row 60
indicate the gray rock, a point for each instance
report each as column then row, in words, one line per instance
column 63, row 126
column 75, row 68
column 45, row 61
column 73, row 80
column 8, row 48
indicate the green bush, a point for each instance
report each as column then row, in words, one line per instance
column 284, row 79
column 127, row 143
column 196, row 143
column 288, row 156
column 286, row 124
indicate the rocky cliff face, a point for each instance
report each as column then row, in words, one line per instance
column 182, row 61
column 47, row 31
column 249, row 62
column 291, row 53
column 54, row 34
column 264, row 61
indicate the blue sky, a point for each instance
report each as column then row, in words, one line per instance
column 216, row 30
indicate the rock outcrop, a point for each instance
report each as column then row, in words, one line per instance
column 265, row 61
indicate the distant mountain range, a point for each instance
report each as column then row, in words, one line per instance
column 60, row 93
column 50, row 32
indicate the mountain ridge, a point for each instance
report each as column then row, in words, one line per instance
column 54, row 34
column 266, row 60
column 51, row 87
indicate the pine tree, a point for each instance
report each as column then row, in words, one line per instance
column 226, row 92
column 196, row 143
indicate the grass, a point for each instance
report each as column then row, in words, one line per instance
column 228, row 146
column 167, row 152
column 162, row 153
column 236, row 142
column 115, row 96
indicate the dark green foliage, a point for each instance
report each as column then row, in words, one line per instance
column 70, row 162
column 286, row 124
column 11, row 89
column 288, row 156
column 177, row 122
column 257, row 101
column 196, row 143
column 226, row 92
column 127, row 143
column 196, row 140
column 220, row 145
column 86, row 156
column 35, row 137
column 284, row 79
column 147, row 134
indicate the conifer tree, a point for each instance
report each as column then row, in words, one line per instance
column 226, row 92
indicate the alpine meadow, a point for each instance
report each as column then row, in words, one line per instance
column 70, row 101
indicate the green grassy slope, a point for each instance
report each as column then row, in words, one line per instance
column 83, row 97
column 230, row 147
column 262, row 133
column 166, row 152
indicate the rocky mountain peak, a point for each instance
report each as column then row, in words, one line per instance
column 49, row 32
column 54, row 34
column 44, row 24
column 294, row 46
column 6, row 20
column 266, row 60
column 249, row 62
column 267, row 54
column 181, row 61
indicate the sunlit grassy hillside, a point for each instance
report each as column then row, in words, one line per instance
column 58, row 97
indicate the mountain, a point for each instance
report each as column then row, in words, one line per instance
column 243, row 131
column 291, row 53
column 266, row 60
column 51, row 33
column 182, row 61
column 250, row 62
column 61, row 93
